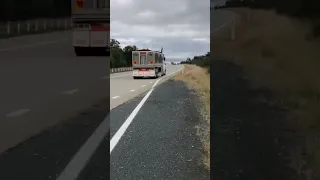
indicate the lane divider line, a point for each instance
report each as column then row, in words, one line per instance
column 104, row 77
column 115, row 76
column 132, row 90
column 18, row 112
column 70, row 92
column 115, row 97
column 143, row 85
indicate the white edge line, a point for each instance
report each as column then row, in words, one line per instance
column 154, row 85
column 81, row 158
column 115, row 97
column 116, row 137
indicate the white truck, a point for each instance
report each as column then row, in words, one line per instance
column 147, row 63
column 91, row 27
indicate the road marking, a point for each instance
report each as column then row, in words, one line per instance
column 107, row 77
column 82, row 157
column 70, row 92
column 151, row 82
column 121, row 75
column 115, row 97
column 143, row 85
column 115, row 139
column 33, row 45
column 18, row 113
column 132, row 90
column 104, row 77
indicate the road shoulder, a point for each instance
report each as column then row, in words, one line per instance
column 162, row 141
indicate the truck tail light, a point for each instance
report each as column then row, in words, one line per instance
column 134, row 62
column 152, row 62
column 79, row 3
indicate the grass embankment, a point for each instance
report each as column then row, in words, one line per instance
column 280, row 54
column 198, row 79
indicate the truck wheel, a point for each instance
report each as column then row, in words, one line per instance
column 134, row 77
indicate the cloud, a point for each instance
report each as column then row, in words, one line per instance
column 181, row 27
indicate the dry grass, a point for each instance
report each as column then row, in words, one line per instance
column 198, row 79
column 278, row 53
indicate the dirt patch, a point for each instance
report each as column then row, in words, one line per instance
column 279, row 56
column 198, row 79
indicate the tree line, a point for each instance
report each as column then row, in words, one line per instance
column 120, row 57
column 13, row 10
column 202, row 61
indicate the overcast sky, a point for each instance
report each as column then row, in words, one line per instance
column 182, row 27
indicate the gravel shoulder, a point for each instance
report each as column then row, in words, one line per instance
column 161, row 142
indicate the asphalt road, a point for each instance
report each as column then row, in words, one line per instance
column 123, row 87
column 53, row 101
column 43, row 83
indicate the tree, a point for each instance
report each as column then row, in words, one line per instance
column 121, row 57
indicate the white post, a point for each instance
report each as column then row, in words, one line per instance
column 28, row 26
column 44, row 25
column 18, row 27
column 36, row 25
column 8, row 28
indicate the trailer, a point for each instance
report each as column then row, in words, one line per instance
column 91, row 27
column 147, row 63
